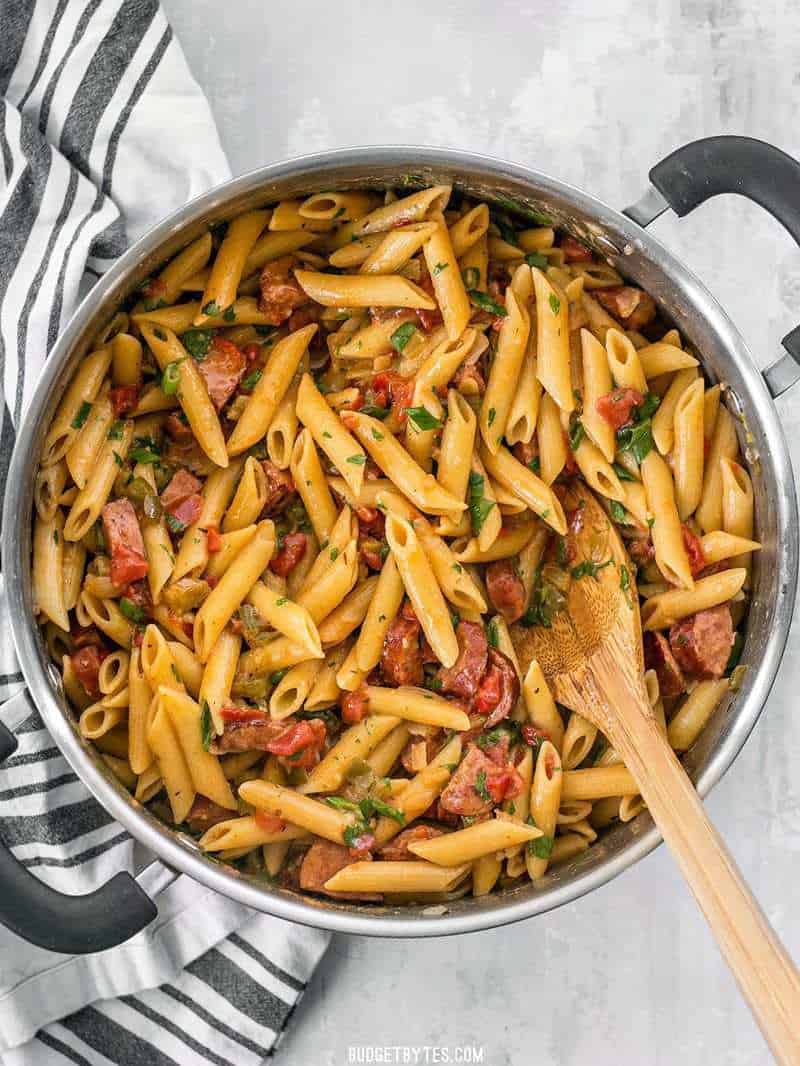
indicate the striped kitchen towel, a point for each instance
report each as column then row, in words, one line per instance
column 103, row 131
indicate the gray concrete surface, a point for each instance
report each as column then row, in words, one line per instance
column 595, row 94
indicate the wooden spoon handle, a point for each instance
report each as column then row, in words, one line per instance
column 766, row 975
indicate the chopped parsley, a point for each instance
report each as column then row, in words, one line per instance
column 618, row 512
column 174, row 523
column 638, row 437
column 506, row 230
column 375, row 412
column 486, row 303
column 132, row 611
column 622, row 473
column 83, row 413
column 327, row 435
column 229, row 314
column 55, row 536
column 281, row 601
column 402, row 335
column 480, row 787
column 116, row 431
column 357, row 460
column 118, row 459
column 277, row 676
column 438, row 269
column 541, row 847
column 577, row 433
column 625, row 584
column 492, row 635
column 145, row 451
column 555, row 303
column 423, row 419
column 535, row 464
column 491, row 417
column 197, row 342
column 589, row 569
column 536, row 259
column 212, row 309
column 479, row 506
column 206, row 726
column 251, row 380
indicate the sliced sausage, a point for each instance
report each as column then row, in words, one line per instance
column 222, row 370
column 658, row 656
column 499, row 689
column 354, row 705
column 574, row 251
column 702, row 643
column 397, row 850
column 124, row 542
column 324, row 859
column 463, row 677
column 401, row 656
column 290, row 554
column 634, row 307
column 506, row 589
column 280, row 291
column 86, row 662
column 478, row 785
column 280, row 488
column 246, row 736
column 205, row 813
column 124, row 399
column 694, row 550
column 182, row 485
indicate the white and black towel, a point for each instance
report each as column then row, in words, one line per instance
column 102, row 132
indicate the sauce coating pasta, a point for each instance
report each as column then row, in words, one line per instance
column 291, row 528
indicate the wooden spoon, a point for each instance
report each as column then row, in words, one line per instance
column 592, row 659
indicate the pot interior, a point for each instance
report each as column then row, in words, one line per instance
column 682, row 300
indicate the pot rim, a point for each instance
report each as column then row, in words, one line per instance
column 503, row 908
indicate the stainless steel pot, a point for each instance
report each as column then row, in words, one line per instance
column 686, row 178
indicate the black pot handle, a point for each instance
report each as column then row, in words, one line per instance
column 745, row 166
column 74, row 925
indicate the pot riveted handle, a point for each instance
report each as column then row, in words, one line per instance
column 745, row 166
column 74, row 925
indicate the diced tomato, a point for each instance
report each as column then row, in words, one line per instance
column 303, row 741
column 616, row 406
column 293, row 550
column 694, row 550
column 241, row 714
column 355, row 705
column 127, row 565
column 222, row 370
column 124, row 399
column 86, row 664
column 429, row 319
column 574, row 251
column 504, row 785
column 488, row 693
column 270, row 823
column 533, row 736
column 251, row 352
column 124, row 541
column 391, row 387
column 213, row 540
